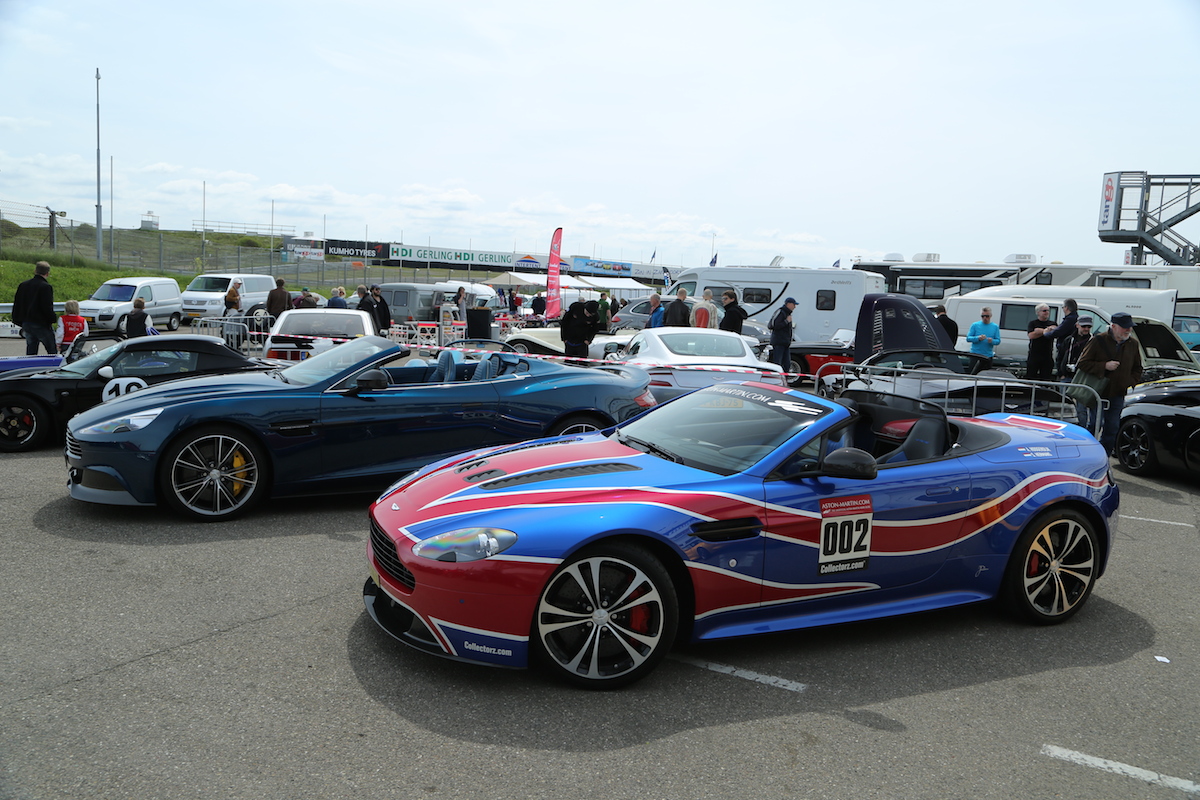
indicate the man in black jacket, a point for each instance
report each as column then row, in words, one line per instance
column 576, row 330
column 939, row 312
column 735, row 315
column 33, row 310
column 678, row 314
column 383, row 314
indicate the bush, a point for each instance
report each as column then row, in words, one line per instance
column 8, row 228
column 248, row 241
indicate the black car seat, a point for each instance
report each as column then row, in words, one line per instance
column 928, row 438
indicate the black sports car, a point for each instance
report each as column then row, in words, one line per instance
column 1160, row 427
column 35, row 403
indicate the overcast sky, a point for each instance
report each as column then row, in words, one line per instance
column 810, row 129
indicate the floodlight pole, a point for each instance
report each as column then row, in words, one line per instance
column 99, row 211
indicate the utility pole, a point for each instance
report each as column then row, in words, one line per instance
column 99, row 212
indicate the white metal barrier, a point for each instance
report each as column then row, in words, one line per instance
column 967, row 395
column 241, row 333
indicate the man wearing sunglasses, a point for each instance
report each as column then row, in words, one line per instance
column 984, row 335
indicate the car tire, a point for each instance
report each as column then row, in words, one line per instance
column 258, row 320
column 1053, row 567
column 214, row 473
column 173, row 322
column 606, row 617
column 521, row 347
column 1135, row 447
column 577, row 424
column 24, row 423
column 796, row 365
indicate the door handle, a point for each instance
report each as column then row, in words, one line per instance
column 941, row 491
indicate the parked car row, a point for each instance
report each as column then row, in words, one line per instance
column 551, row 513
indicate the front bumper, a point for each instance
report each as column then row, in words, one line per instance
column 427, row 605
column 111, row 480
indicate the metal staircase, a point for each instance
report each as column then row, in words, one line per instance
column 1144, row 210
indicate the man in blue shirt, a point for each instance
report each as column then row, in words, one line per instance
column 984, row 335
column 657, row 312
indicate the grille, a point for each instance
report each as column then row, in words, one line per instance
column 73, row 450
column 561, row 472
column 387, row 560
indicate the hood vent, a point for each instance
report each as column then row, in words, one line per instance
column 559, row 472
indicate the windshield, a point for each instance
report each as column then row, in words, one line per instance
column 723, row 429
column 696, row 343
column 88, row 364
column 323, row 324
column 114, row 292
column 208, row 283
column 334, row 361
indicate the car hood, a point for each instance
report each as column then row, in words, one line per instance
column 181, row 391
column 568, row 470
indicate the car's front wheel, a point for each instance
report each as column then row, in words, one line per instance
column 1135, row 446
column 1053, row 567
column 173, row 322
column 24, row 424
column 606, row 617
column 213, row 473
column 521, row 347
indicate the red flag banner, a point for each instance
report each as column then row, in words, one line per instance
column 553, row 291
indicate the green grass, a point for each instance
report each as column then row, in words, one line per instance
column 70, row 283
column 78, row 280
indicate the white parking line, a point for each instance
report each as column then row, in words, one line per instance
column 1160, row 521
column 744, row 674
column 1118, row 768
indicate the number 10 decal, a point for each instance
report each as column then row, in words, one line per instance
column 845, row 544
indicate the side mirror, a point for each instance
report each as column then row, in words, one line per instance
column 372, row 380
column 105, row 372
column 850, row 462
column 612, row 348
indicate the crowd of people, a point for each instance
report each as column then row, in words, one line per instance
column 1059, row 351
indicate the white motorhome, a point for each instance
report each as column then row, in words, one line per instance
column 933, row 281
column 826, row 299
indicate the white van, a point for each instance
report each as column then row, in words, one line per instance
column 109, row 305
column 1161, row 346
column 205, row 295
column 826, row 299
column 1156, row 304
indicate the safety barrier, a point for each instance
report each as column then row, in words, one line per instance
column 966, row 395
column 240, row 333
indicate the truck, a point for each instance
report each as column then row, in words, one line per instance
column 827, row 299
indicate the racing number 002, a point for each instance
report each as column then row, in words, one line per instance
column 845, row 537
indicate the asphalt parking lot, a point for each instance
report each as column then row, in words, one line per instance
column 145, row 656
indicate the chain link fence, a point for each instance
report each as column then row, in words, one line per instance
column 25, row 227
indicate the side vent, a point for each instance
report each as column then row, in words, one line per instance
column 560, row 472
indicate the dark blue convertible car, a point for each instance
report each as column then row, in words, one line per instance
column 349, row 419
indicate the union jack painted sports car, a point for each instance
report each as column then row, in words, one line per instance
column 739, row 509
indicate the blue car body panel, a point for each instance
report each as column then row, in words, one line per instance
column 329, row 436
column 753, row 551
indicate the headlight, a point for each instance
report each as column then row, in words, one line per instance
column 468, row 544
column 133, row 422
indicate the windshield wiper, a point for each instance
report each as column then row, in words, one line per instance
column 649, row 448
